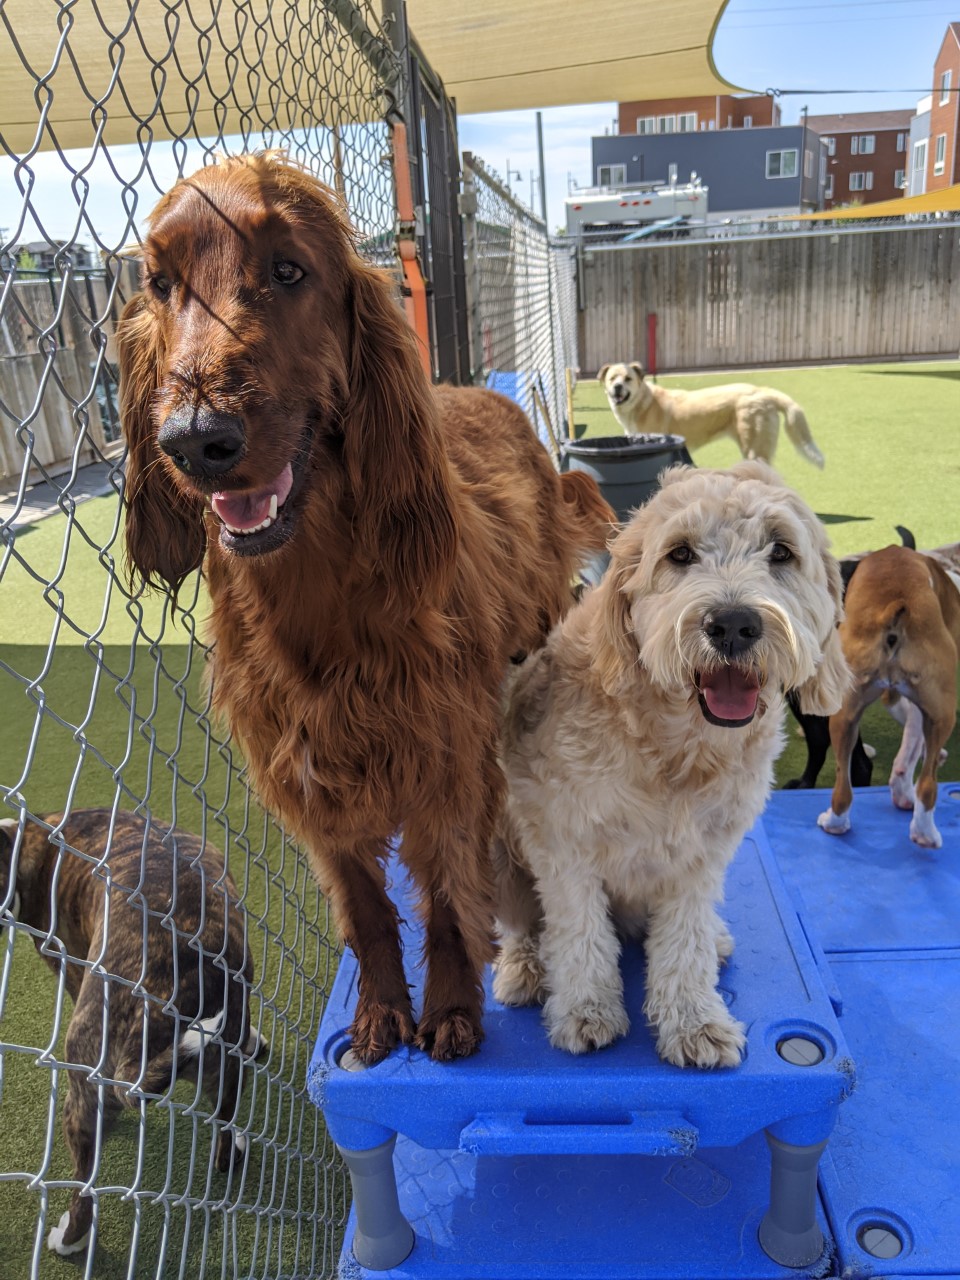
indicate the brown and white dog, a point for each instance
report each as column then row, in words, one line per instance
column 747, row 414
column 160, row 915
column 901, row 635
column 639, row 746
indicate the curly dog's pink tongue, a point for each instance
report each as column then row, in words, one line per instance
column 246, row 510
column 730, row 694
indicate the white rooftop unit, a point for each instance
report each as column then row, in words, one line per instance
column 633, row 206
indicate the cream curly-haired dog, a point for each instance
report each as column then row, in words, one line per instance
column 747, row 414
column 639, row 746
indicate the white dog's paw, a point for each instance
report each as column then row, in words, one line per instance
column 589, row 1027
column 725, row 945
column 718, row 1043
column 902, row 791
column 835, row 824
column 923, row 830
column 518, row 973
column 56, row 1234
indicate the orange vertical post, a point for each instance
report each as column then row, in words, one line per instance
column 415, row 289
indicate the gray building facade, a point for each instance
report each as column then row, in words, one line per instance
column 918, row 149
column 778, row 169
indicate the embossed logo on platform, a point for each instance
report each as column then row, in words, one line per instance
column 697, row 1182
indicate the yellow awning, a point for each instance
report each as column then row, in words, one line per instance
column 946, row 200
column 495, row 55
column 218, row 67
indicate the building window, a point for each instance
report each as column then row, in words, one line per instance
column 807, row 163
column 666, row 124
column 687, row 122
column 828, row 189
column 940, row 155
column 611, row 175
column 646, row 124
column 944, row 88
column 862, row 144
column 862, row 181
column 901, row 142
column 831, row 146
column 748, row 122
column 782, row 164
column 899, row 178
column 920, row 156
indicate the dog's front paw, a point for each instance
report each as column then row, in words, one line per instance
column 718, row 1043
column 725, row 945
column 835, row 824
column 378, row 1028
column 56, row 1238
column 449, row 1034
column 902, row 791
column 518, row 973
column 589, row 1027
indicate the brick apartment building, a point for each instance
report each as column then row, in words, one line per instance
column 943, row 150
column 693, row 115
column 867, row 155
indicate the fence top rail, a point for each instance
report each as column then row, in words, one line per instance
column 741, row 237
column 474, row 165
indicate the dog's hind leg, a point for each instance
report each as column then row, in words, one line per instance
column 938, row 703
column 844, row 733
column 369, row 924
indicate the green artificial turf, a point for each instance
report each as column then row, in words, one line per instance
column 891, row 438
column 84, row 715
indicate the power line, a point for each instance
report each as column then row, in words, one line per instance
column 784, row 93
column 841, row 4
column 732, row 25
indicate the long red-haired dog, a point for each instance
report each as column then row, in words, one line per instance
column 376, row 549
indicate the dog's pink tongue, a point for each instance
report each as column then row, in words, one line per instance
column 248, row 508
column 730, row 694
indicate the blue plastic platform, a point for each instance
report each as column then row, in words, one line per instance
column 640, row 1168
column 888, row 916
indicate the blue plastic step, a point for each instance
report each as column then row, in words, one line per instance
column 521, row 1105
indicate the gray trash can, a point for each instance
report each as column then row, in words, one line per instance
column 625, row 467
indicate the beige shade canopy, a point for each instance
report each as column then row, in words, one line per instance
column 496, row 55
column 137, row 69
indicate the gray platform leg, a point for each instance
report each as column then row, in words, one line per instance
column 383, row 1237
column 789, row 1233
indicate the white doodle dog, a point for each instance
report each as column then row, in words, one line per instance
column 639, row 748
column 747, row 414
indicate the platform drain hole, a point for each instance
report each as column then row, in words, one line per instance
column 879, row 1240
column 800, row 1051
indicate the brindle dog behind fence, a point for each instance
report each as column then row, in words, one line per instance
column 174, row 938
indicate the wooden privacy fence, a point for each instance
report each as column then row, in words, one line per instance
column 886, row 293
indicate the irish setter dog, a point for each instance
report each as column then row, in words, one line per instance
column 376, row 551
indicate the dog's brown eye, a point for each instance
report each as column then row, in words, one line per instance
column 287, row 272
column 161, row 285
column 781, row 553
column 682, row 554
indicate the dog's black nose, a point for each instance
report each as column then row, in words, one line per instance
column 201, row 441
column 733, row 631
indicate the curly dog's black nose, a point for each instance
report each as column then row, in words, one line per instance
column 733, row 631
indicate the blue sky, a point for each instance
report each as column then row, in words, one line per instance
column 887, row 45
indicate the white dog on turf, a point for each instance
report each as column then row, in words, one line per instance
column 747, row 414
column 639, row 746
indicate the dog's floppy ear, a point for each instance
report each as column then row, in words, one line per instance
column 602, row 373
column 824, row 692
column 615, row 653
column 640, row 371
column 393, row 450
column 165, row 533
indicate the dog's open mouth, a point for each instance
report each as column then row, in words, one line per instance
column 254, row 522
column 728, row 696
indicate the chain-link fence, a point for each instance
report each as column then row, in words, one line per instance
column 521, row 300
column 124, row 936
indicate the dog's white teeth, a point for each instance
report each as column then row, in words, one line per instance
column 273, row 506
column 257, row 528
